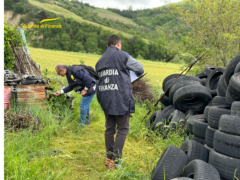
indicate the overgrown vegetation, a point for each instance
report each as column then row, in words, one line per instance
column 214, row 27
column 10, row 34
column 59, row 149
column 62, row 150
column 142, row 90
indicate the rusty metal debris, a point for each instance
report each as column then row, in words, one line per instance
column 31, row 95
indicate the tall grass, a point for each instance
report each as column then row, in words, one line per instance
column 27, row 154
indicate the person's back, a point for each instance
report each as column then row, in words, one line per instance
column 114, row 83
column 115, row 95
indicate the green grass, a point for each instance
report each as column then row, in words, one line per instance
column 104, row 13
column 62, row 150
column 157, row 71
column 68, row 14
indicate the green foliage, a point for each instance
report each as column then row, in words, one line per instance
column 82, row 62
column 10, row 34
column 214, row 27
column 139, row 56
column 84, row 37
column 60, row 102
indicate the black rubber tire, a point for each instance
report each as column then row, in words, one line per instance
column 221, row 89
column 205, row 113
column 192, row 97
column 235, row 108
column 199, row 169
column 199, row 128
column 214, row 115
column 201, row 75
column 230, row 68
column 227, row 144
column 170, row 165
column 177, row 117
column 230, row 124
column 186, row 78
column 190, row 113
column 229, row 98
column 167, row 78
column 237, row 69
column 179, row 85
column 181, row 79
column 181, row 178
column 167, row 85
column 31, row 82
column 209, row 69
column 194, row 150
column 161, row 117
column 210, row 136
column 208, row 148
column 162, row 107
column 234, row 87
column 151, row 119
column 225, row 165
column 203, row 81
column 165, row 100
column 190, row 121
column 198, row 139
column 34, row 78
column 210, row 103
column 213, row 79
column 219, row 101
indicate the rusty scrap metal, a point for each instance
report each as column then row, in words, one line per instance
column 30, row 95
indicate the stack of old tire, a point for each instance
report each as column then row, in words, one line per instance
column 214, row 152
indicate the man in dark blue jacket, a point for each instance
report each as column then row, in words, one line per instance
column 115, row 95
column 81, row 82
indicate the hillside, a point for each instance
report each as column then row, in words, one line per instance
column 161, row 18
column 64, row 12
column 77, row 34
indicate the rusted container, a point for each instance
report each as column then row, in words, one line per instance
column 7, row 96
column 31, row 95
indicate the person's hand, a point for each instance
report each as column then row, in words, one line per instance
column 134, row 84
column 57, row 93
column 83, row 92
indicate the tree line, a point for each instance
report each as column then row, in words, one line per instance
column 84, row 37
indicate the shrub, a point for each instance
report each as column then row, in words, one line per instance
column 142, row 90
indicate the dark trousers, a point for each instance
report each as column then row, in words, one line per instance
column 121, row 123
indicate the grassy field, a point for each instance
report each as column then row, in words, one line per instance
column 64, row 12
column 104, row 13
column 48, row 59
column 62, row 150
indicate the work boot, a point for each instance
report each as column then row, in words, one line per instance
column 112, row 165
column 107, row 161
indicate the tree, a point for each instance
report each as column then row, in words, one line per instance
column 214, row 25
column 91, row 44
column 65, row 41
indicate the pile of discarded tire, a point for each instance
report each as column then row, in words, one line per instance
column 208, row 106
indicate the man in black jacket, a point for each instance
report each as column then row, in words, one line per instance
column 80, row 81
column 115, row 95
